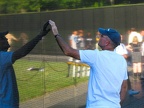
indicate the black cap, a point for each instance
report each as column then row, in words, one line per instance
column 2, row 34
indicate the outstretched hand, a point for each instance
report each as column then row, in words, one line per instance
column 45, row 29
column 54, row 27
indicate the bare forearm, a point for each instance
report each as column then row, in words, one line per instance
column 123, row 91
column 24, row 50
column 122, row 96
column 62, row 44
column 67, row 50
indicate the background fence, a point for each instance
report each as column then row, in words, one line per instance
column 121, row 18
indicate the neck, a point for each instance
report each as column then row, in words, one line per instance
column 109, row 47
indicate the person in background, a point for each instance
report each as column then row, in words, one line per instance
column 121, row 49
column 142, row 50
column 131, row 34
column 9, row 95
column 107, row 85
column 97, row 37
column 11, row 38
column 135, row 48
column 73, row 39
column 23, row 38
column 142, row 53
column 142, row 34
column 89, row 41
column 81, row 40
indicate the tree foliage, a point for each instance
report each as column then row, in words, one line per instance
column 19, row 6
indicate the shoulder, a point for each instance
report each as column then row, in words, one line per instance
column 89, row 54
column 89, row 51
column 6, row 53
column 6, row 56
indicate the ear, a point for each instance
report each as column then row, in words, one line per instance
column 107, row 43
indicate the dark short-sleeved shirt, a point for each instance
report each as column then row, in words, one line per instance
column 9, row 97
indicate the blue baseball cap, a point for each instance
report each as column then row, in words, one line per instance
column 113, row 34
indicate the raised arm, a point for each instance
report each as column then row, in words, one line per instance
column 24, row 50
column 67, row 50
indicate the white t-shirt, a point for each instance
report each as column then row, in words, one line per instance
column 73, row 41
column 121, row 49
column 107, row 72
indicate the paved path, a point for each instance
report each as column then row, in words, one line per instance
column 136, row 101
column 70, row 97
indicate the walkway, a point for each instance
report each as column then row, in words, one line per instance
column 136, row 101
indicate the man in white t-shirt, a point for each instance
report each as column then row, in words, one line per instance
column 107, row 85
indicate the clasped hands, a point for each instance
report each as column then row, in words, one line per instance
column 46, row 28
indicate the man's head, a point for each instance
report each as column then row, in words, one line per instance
column 3, row 41
column 110, row 34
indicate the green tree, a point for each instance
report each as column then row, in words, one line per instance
column 31, row 5
column 18, row 6
column 50, row 4
column 10, row 6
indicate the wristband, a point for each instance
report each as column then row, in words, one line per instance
column 57, row 35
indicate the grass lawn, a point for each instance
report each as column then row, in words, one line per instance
column 35, row 83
